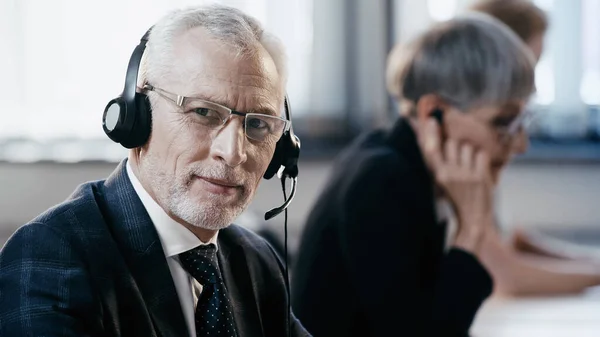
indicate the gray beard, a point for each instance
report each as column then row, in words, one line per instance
column 207, row 216
column 175, row 200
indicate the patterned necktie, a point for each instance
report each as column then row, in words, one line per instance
column 213, row 311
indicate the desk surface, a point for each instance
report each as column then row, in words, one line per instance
column 548, row 317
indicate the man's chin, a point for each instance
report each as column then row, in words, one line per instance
column 202, row 212
column 207, row 218
column 215, row 203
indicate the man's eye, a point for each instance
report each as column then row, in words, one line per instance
column 205, row 112
column 257, row 123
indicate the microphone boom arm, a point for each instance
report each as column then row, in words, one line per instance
column 275, row 211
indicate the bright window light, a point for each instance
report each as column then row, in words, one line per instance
column 441, row 10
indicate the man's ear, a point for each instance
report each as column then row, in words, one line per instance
column 428, row 104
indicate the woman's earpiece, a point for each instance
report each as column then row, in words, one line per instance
column 438, row 114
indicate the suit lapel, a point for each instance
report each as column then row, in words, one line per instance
column 141, row 245
column 240, row 286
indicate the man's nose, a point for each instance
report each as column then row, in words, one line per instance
column 229, row 144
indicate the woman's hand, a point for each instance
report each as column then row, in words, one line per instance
column 463, row 173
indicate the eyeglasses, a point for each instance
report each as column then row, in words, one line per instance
column 258, row 127
column 509, row 132
column 506, row 132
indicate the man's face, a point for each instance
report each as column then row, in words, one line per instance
column 206, row 177
column 485, row 129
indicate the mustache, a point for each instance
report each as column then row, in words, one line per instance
column 223, row 173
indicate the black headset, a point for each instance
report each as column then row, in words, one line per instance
column 127, row 120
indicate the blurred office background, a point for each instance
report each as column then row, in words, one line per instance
column 63, row 60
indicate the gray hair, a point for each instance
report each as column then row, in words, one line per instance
column 228, row 25
column 469, row 61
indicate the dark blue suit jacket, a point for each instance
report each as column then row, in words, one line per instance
column 94, row 266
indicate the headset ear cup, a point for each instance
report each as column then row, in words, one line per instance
column 146, row 116
column 144, row 119
column 276, row 161
column 286, row 154
column 292, row 153
column 140, row 130
column 114, row 119
column 127, row 119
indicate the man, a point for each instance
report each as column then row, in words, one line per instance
column 150, row 251
column 374, row 258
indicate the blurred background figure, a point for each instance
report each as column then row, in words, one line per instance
column 550, row 267
column 396, row 240
column 60, row 62
column 527, row 20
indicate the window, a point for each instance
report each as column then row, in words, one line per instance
column 63, row 60
column 567, row 75
column 590, row 84
column 441, row 10
column 567, row 78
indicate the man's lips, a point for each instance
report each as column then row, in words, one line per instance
column 219, row 186
column 221, row 182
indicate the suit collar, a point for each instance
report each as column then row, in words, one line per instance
column 127, row 214
column 136, row 235
column 403, row 139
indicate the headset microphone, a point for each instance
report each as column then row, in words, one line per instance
column 285, row 161
column 275, row 211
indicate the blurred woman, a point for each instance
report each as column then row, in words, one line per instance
column 374, row 258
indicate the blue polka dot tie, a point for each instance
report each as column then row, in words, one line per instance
column 214, row 317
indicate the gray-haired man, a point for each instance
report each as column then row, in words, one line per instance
column 150, row 251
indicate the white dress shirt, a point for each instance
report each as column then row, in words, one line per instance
column 175, row 239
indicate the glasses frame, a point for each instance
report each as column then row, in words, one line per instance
column 180, row 100
column 516, row 126
column 508, row 133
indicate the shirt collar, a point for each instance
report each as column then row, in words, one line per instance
column 174, row 237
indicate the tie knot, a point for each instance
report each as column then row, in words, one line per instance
column 201, row 263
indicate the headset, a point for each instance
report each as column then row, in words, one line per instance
column 127, row 120
column 438, row 115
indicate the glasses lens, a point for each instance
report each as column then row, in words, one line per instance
column 208, row 117
column 263, row 127
column 520, row 123
column 206, row 113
